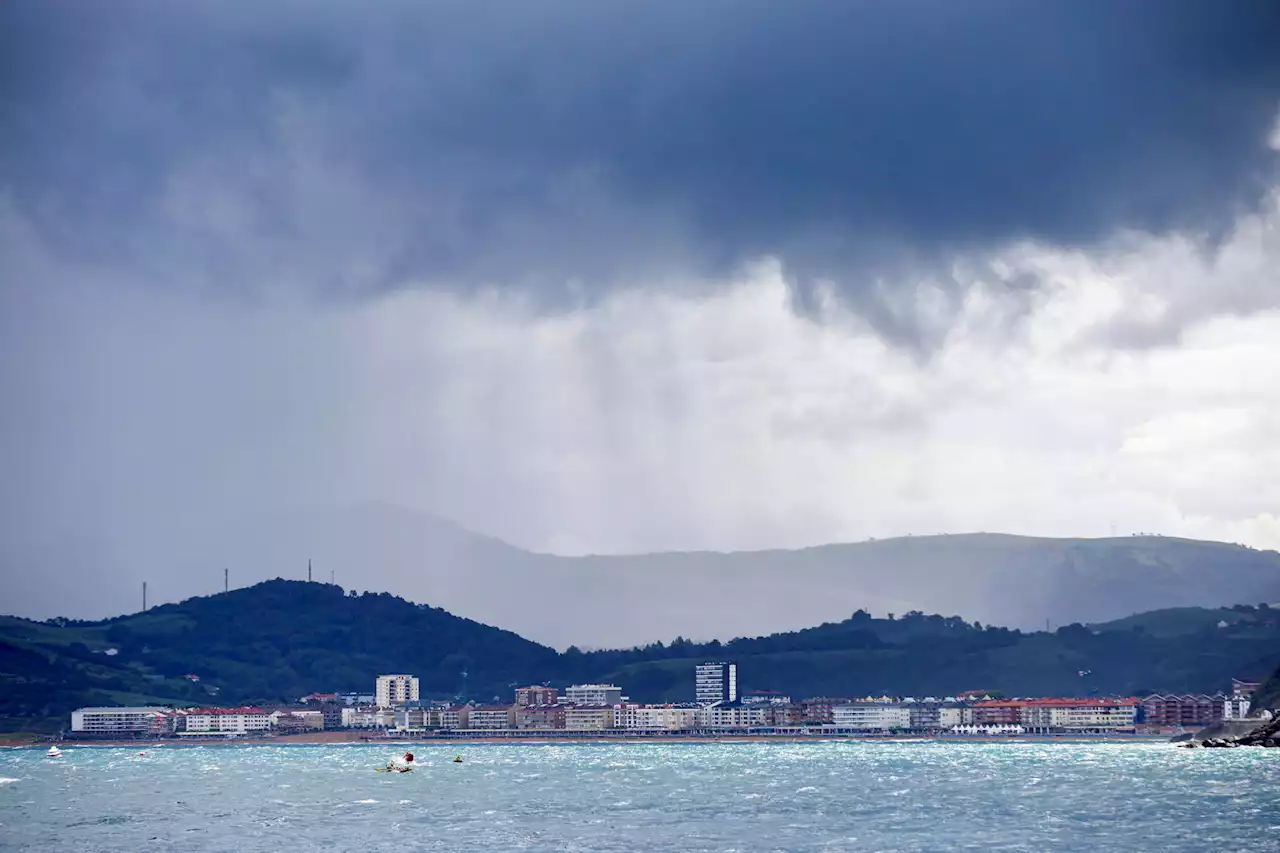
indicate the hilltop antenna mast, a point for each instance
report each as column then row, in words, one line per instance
column 308, row 571
column 144, row 596
column 226, row 580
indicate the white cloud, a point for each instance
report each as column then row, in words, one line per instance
column 728, row 421
column 1138, row 388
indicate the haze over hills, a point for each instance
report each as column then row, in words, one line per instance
column 619, row 601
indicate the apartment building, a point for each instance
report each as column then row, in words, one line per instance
column 732, row 715
column 998, row 712
column 1075, row 714
column 1189, row 710
column 818, row 711
column 871, row 716
column 393, row 690
column 413, row 718
column 1081, row 715
column 593, row 694
column 121, row 722
column 715, row 682
column 540, row 716
column 784, row 715
column 201, row 722
column 665, row 717
column 536, row 695
column 368, row 717
column 1237, row 705
column 490, row 717
column 451, row 716
column 589, row 718
column 297, row 720
column 923, row 716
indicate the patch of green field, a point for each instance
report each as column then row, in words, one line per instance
column 1174, row 621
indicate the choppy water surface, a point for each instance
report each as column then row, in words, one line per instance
column 823, row 796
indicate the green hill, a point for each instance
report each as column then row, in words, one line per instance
column 282, row 639
column 934, row 655
column 276, row 640
column 1180, row 621
column 1268, row 695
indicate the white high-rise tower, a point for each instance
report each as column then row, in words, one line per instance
column 716, row 682
column 396, row 690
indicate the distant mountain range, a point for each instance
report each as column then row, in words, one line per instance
column 280, row 639
column 611, row 601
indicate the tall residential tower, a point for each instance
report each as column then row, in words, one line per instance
column 716, row 682
column 393, row 690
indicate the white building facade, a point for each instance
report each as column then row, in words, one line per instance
column 1094, row 716
column 224, row 721
column 393, row 690
column 871, row 716
column 120, row 721
column 666, row 717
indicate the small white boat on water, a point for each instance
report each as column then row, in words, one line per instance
column 53, row 752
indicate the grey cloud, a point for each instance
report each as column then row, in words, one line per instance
column 566, row 145
column 173, row 176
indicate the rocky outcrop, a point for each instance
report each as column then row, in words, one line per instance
column 1221, row 730
column 1266, row 734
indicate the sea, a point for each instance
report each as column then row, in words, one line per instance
column 827, row 796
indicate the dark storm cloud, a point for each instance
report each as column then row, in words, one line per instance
column 360, row 147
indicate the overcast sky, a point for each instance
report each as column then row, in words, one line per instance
column 632, row 276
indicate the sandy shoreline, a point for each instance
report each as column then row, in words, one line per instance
column 358, row 739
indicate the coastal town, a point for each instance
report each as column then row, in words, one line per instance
column 395, row 710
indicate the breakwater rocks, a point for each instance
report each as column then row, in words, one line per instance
column 1267, row 734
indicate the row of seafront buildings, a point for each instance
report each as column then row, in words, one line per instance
column 395, row 709
column 195, row 723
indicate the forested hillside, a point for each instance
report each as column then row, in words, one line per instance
column 283, row 639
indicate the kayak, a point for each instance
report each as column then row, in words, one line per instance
column 394, row 769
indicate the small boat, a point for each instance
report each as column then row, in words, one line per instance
column 53, row 752
column 457, row 759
